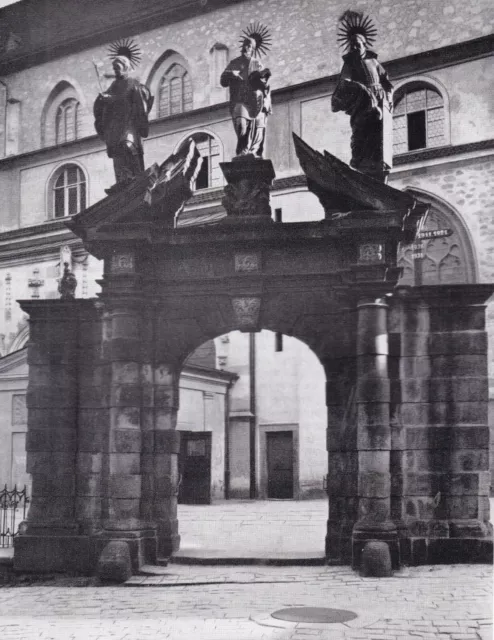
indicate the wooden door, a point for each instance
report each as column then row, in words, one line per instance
column 280, row 464
column 195, row 467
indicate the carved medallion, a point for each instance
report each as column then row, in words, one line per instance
column 371, row 253
column 246, row 311
column 247, row 262
column 123, row 263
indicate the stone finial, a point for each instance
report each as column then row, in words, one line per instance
column 68, row 284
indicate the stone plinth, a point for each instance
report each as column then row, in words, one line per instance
column 247, row 197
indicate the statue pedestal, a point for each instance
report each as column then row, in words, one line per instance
column 247, row 198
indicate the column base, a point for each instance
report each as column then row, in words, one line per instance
column 64, row 553
column 449, row 551
column 383, row 531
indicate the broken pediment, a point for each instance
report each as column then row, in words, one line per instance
column 152, row 199
column 341, row 189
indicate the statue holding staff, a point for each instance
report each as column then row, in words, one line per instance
column 121, row 114
column 250, row 94
column 365, row 93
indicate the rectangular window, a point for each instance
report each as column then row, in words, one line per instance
column 416, row 130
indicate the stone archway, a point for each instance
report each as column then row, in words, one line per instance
column 402, row 367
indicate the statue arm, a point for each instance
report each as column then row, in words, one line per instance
column 228, row 76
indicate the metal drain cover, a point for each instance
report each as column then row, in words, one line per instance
column 314, row 614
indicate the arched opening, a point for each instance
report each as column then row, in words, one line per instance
column 170, row 81
column 420, row 116
column 253, row 436
column 67, row 191
column 448, row 259
column 61, row 118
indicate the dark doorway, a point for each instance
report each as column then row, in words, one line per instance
column 280, row 464
column 195, row 467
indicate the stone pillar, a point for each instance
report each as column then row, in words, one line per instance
column 122, row 442
column 162, row 446
column 373, row 431
column 342, row 459
column 454, row 473
column 93, row 418
column 52, row 540
column 342, row 486
column 409, row 372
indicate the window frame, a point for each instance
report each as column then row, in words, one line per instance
column 81, row 185
column 62, row 110
column 414, row 83
column 175, row 71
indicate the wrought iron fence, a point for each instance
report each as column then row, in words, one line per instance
column 13, row 508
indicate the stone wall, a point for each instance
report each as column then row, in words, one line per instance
column 304, row 47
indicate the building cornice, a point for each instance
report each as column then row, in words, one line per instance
column 442, row 152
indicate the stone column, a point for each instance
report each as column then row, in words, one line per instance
column 122, row 441
column 342, row 485
column 52, row 541
column 164, row 459
column 373, row 430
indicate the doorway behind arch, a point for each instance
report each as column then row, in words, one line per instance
column 253, row 461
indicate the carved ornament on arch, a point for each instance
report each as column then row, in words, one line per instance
column 246, row 310
column 123, row 263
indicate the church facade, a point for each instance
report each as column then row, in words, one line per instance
column 52, row 165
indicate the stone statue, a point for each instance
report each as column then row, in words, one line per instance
column 67, row 284
column 250, row 94
column 121, row 115
column 364, row 92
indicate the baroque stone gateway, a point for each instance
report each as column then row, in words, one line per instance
column 406, row 368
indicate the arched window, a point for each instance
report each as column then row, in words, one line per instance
column 419, row 118
column 67, row 125
column 64, row 117
column 209, row 175
column 69, row 191
column 446, row 260
column 175, row 91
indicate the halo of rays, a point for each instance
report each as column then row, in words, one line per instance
column 125, row 47
column 353, row 22
column 260, row 34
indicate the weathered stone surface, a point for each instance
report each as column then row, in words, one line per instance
column 374, row 484
column 376, row 560
column 124, row 486
column 167, row 441
column 458, row 343
column 458, row 365
column 51, row 440
column 124, row 441
column 114, row 563
column 462, row 319
column 437, row 437
column 374, row 437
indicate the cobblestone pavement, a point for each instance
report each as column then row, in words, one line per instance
column 234, row 603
